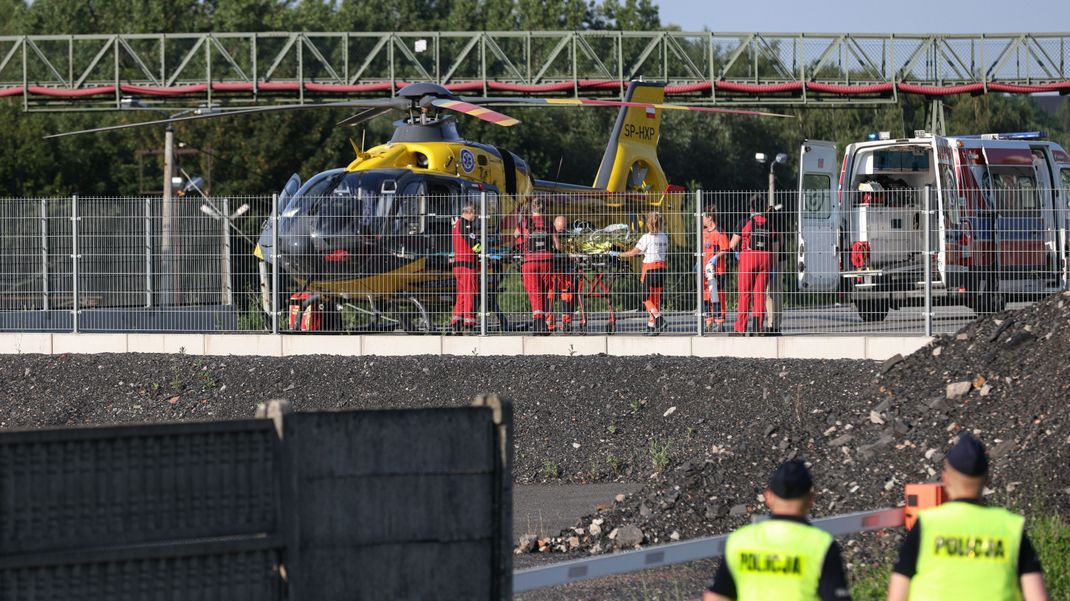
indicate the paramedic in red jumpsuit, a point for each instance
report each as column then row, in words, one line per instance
column 755, row 262
column 465, row 269
column 537, row 245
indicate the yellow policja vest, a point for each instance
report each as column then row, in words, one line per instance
column 968, row 551
column 777, row 559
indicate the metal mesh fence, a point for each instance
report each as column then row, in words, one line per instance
column 886, row 256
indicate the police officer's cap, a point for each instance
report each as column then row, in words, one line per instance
column 791, row 480
column 968, row 456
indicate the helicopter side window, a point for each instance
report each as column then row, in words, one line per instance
column 492, row 212
column 441, row 205
column 407, row 210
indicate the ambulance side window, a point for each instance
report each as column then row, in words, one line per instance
column 1015, row 189
column 951, row 196
column 816, row 197
column 1064, row 176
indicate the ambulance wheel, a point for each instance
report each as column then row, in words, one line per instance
column 872, row 311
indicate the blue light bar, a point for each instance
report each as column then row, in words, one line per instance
column 1020, row 135
column 1023, row 135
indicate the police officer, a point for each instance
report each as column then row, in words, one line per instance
column 964, row 549
column 783, row 558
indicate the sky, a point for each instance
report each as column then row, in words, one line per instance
column 868, row 16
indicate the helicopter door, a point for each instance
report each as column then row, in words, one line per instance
column 441, row 205
column 819, row 219
column 264, row 244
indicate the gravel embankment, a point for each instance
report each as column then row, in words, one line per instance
column 700, row 435
column 1004, row 378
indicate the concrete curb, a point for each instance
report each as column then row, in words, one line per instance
column 877, row 348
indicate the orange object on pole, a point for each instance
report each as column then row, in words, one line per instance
column 919, row 497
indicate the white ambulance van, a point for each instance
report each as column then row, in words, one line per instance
column 998, row 220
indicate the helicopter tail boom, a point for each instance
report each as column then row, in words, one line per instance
column 630, row 162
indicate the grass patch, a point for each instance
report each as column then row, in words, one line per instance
column 1050, row 535
column 550, row 470
column 659, row 455
column 871, row 584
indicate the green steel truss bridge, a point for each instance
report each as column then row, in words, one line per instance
column 95, row 72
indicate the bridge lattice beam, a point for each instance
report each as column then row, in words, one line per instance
column 94, row 72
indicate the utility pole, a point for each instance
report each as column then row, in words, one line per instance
column 167, row 218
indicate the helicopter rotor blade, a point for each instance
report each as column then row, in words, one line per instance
column 536, row 102
column 384, row 104
column 363, row 116
column 474, row 110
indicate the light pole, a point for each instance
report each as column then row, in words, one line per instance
column 167, row 210
column 773, row 304
column 780, row 158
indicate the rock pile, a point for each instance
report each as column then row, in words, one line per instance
column 1005, row 378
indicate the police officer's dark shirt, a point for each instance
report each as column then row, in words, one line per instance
column 907, row 564
column 832, row 586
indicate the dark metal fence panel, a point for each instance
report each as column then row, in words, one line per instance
column 410, row 495
column 71, row 489
column 239, row 576
column 185, row 511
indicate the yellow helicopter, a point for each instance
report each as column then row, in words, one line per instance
column 377, row 232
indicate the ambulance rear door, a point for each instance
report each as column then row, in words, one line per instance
column 819, row 218
column 1022, row 239
column 1050, row 198
column 1062, row 160
column 946, row 208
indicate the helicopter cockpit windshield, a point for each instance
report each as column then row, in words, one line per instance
column 355, row 204
column 338, row 218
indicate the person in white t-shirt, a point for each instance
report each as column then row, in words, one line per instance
column 654, row 246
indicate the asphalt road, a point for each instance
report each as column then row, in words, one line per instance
column 546, row 509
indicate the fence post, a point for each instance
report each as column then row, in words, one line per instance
column 483, row 263
column 274, row 263
column 148, row 251
column 1064, row 280
column 928, row 266
column 700, row 271
column 44, row 253
column 74, row 263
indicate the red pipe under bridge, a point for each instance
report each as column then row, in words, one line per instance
column 87, row 72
